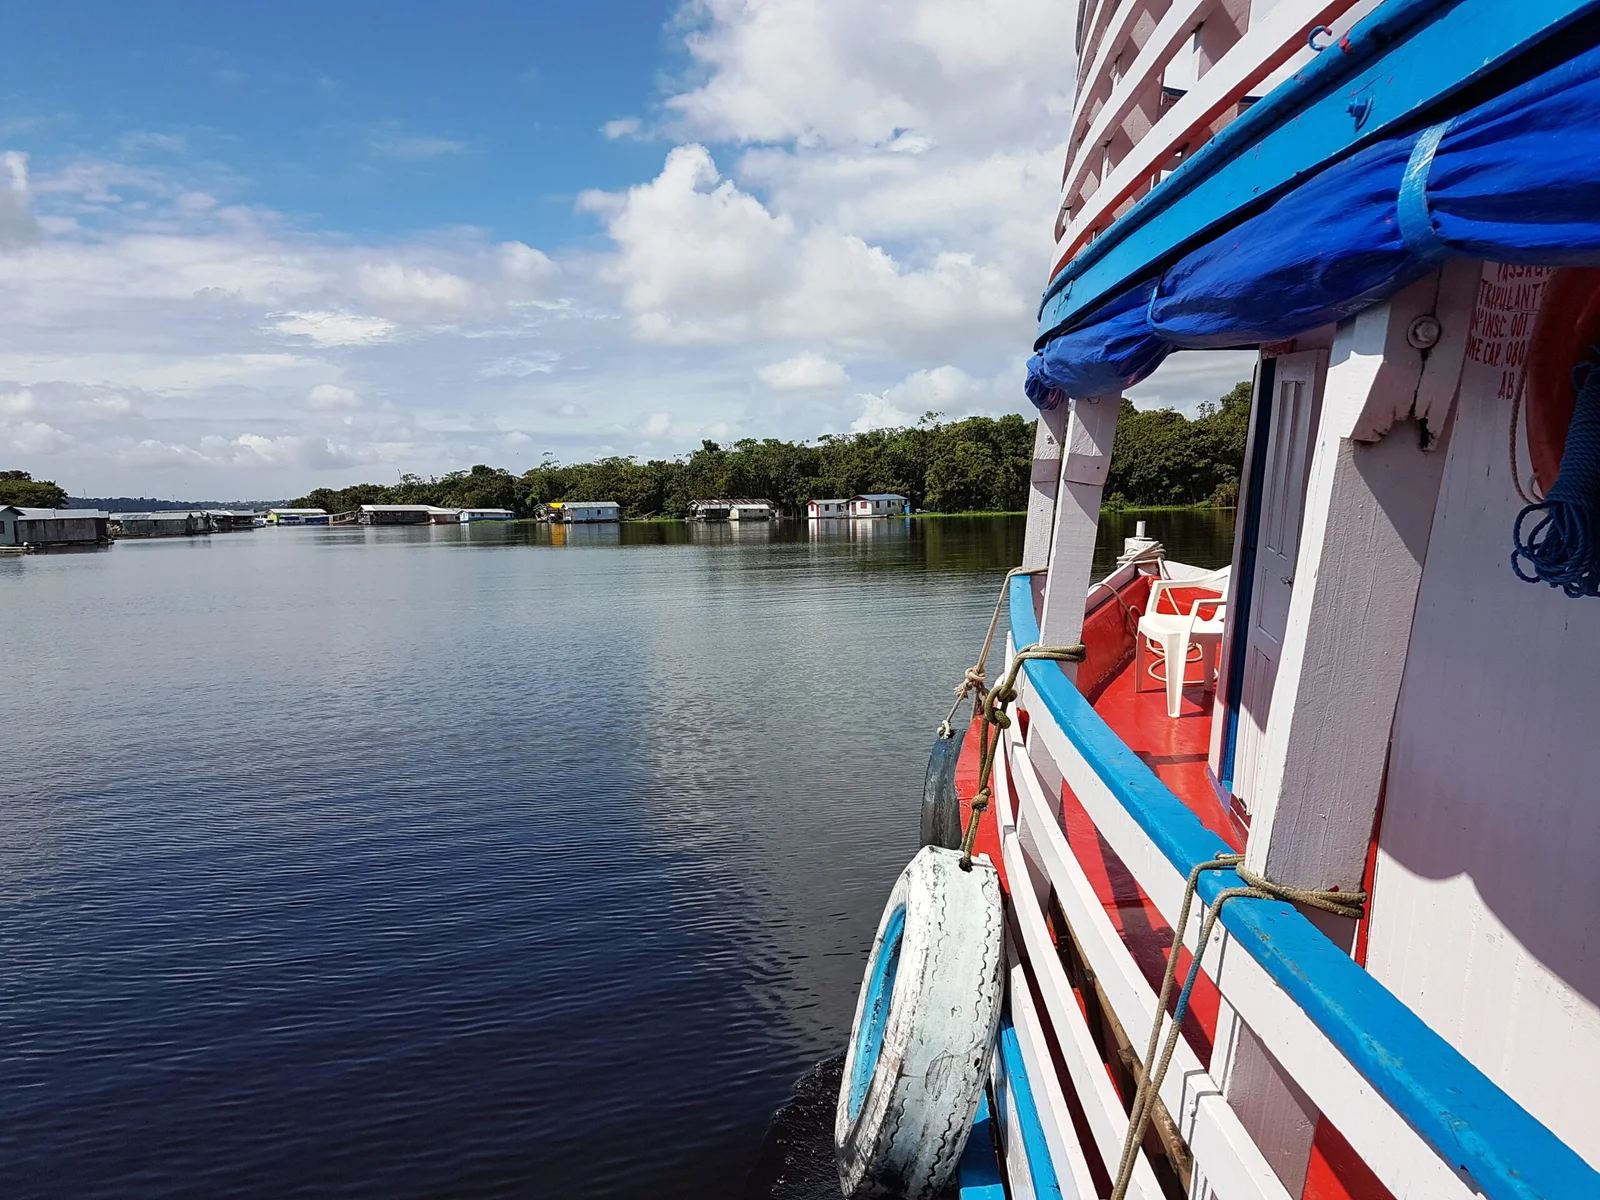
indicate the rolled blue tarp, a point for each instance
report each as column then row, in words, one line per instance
column 1514, row 179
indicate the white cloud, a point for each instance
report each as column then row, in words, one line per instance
column 702, row 261
column 331, row 395
column 658, row 425
column 334, row 328
column 413, row 289
column 946, row 391
column 803, row 371
column 1188, row 377
column 524, row 263
column 17, row 224
column 17, row 403
column 33, row 437
column 519, row 366
column 622, row 127
column 415, row 148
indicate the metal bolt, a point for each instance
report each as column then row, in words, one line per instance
column 1424, row 332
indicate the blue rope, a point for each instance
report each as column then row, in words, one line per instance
column 1562, row 549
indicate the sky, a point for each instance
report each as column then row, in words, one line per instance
column 247, row 250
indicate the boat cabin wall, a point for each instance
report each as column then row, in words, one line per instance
column 1486, row 886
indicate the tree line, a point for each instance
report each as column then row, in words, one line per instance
column 978, row 464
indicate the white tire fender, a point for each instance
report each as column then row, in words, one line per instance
column 924, row 1030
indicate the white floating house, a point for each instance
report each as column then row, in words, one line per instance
column 750, row 510
column 821, row 509
column 581, row 512
column 880, row 504
column 470, row 516
column 444, row 516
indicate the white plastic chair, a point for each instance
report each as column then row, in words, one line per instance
column 1212, row 581
column 1174, row 635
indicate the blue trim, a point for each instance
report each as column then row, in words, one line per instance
column 1405, row 58
column 875, row 1009
column 1013, row 1075
column 1244, row 581
column 1487, row 1137
column 979, row 1170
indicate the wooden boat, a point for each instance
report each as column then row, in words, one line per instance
column 1393, row 203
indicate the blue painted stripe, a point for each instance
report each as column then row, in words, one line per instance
column 1488, row 1138
column 875, row 1009
column 1407, row 57
column 979, row 1170
column 1014, row 1076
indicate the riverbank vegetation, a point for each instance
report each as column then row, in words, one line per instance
column 23, row 490
column 980, row 464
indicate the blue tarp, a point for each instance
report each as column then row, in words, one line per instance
column 1515, row 179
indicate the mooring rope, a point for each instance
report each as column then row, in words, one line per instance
column 995, row 720
column 974, row 680
column 1331, row 900
column 1562, row 548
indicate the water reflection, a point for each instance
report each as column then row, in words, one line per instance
column 413, row 861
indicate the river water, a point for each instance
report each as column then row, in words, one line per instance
column 415, row 862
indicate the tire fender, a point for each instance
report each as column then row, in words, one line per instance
column 924, row 1030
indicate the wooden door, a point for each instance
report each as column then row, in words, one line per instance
column 1292, row 433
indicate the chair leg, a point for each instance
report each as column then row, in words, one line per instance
column 1177, row 654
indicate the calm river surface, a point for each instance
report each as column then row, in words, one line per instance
column 452, row 861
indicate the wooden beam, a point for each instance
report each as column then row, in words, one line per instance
column 1043, row 484
column 1364, row 535
column 1086, row 460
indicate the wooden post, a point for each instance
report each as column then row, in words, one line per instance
column 1043, row 484
column 1368, row 513
column 1084, row 465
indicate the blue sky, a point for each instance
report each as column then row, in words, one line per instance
column 246, row 250
column 375, row 119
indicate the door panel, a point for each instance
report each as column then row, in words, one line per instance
column 1297, row 405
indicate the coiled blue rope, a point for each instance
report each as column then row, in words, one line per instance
column 1562, row 549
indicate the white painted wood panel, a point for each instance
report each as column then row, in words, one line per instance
column 1383, row 1138
column 1044, row 482
column 1487, row 891
column 1091, row 431
column 1072, row 1168
column 1205, row 1120
column 1280, row 32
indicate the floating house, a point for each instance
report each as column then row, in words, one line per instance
column 175, row 522
column 297, row 516
column 880, row 504
column 709, row 510
column 225, row 520
column 396, row 514
column 730, row 510
column 471, row 516
column 580, row 512
column 444, row 516
column 53, row 526
column 820, row 509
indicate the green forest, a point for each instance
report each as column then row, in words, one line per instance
column 979, row 464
